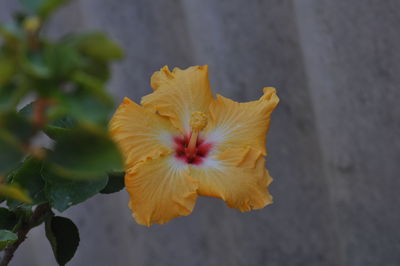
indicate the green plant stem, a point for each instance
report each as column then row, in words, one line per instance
column 37, row 217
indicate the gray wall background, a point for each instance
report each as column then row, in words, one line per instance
column 334, row 143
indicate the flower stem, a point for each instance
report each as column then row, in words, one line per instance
column 39, row 118
column 38, row 215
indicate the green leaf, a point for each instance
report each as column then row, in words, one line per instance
column 85, row 153
column 59, row 123
column 17, row 125
column 49, row 6
column 65, row 192
column 7, row 238
column 97, row 45
column 63, row 236
column 68, row 111
column 10, row 152
column 27, row 110
column 10, row 96
column 93, row 85
column 28, row 177
column 85, row 109
column 35, row 66
column 96, row 68
column 42, row 7
column 14, row 192
column 60, row 128
column 7, row 69
column 11, row 33
column 33, row 5
column 115, row 183
column 62, row 60
column 81, row 107
column 8, row 219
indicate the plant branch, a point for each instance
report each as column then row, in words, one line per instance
column 39, row 117
column 37, row 217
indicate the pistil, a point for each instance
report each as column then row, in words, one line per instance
column 191, row 148
column 198, row 121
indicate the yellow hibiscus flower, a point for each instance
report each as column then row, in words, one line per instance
column 182, row 142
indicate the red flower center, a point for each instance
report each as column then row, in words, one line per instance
column 191, row 156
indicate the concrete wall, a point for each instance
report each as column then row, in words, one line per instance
column 334, row 144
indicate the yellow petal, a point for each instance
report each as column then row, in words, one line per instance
column 179, row 93
column 233, row 124
column 160, row 190
column 140, row 134
column 238, row 176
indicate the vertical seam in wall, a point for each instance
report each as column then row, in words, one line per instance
column 80, row 6
column 191, row 52
column 335, row 233
column 194, row 54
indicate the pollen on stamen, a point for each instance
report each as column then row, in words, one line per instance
column 198, row 121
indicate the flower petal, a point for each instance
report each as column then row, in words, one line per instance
column 140, row 134
column 179, row 93
column 160, row 190
column 238, row 176
column 240, row 124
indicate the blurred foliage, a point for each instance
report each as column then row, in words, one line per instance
column 6, row 238
column 65, row 81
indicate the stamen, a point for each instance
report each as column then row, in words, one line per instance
column 198, row 121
